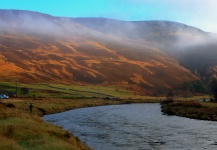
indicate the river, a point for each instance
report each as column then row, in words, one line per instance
column 136, row 127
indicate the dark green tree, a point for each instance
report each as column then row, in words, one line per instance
column 213, row 88
column 199, row 86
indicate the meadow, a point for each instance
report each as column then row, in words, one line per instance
column 68, row 91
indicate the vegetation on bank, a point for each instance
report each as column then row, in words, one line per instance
column 192, row 109
column 22, row 129
column 205, row 109
column 66, row 91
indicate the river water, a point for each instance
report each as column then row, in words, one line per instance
column 136, row 127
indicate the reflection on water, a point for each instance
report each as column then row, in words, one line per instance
column 136, row 127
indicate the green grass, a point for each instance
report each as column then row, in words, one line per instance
column 210, row 104
column 34, row 134
column 193, row 98
column 66, row 91
column 20, row 129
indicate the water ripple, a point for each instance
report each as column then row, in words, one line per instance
column 136, row 127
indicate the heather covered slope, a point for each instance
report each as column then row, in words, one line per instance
column 194, row 48
column 35, row 47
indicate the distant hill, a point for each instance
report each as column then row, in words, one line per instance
column 151, row 31
column 194, row 48
column 36, row 47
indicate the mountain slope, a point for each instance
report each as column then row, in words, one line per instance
column 194, row 48
column 36, row 47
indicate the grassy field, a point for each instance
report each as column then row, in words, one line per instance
column 66, row 91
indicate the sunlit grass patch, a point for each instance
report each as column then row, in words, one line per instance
column 210, row 104
column 193, row 98
column 67, row 91
column 33, row 133
column 8, row 144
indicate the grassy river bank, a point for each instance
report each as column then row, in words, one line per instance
column 20, row 129
column 202, row 110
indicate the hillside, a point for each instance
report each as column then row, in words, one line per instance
column 194, row 48
column 36, row 47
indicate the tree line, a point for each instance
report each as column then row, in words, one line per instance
column 202, row 86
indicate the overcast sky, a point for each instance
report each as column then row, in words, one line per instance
column 198, row 13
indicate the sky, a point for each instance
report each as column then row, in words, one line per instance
column 198, row 13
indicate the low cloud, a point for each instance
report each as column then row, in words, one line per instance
column 198, row 13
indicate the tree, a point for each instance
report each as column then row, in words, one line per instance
column 195, row 86
column 199, row 86
column 213, row 88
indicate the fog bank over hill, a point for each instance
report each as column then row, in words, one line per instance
column 147, row 54
column 194, row 48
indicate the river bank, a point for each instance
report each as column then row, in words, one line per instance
column 191, row 109
column 22, row 129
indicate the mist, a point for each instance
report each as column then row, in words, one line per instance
column 37, row 23
column 158, row 33
column 186, row 43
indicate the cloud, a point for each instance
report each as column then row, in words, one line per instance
column 198, row 13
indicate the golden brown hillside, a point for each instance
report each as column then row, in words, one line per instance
column 52, row 49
